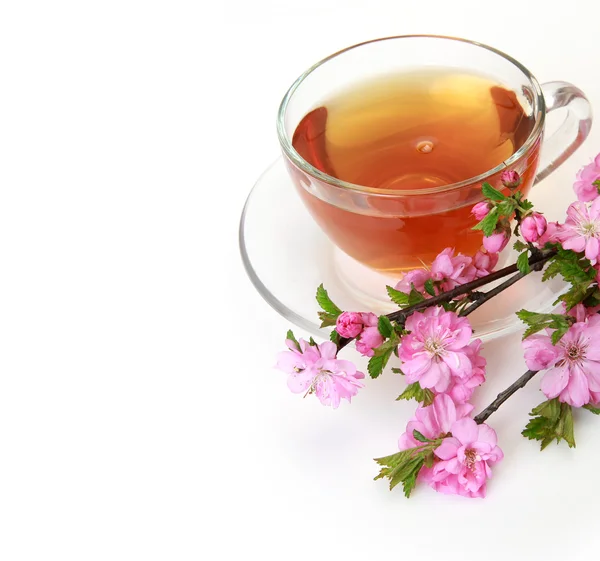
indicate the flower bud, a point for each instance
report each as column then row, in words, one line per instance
column 481, row 210
column 349, row 324
column 533, row 227
column 510, row 178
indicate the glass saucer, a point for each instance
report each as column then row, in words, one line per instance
column 287, row 256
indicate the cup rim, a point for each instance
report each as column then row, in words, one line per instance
column 539, row 109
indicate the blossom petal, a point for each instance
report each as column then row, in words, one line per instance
column 447, row 449
column 465, row 430
column 591, row 249
column 592, row 371
column 299, row 382
column 487, row 434
column 555, row 381
column 577, row 392
column 445, row 411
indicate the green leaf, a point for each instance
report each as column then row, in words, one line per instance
column 558, row 333
column 418, row 436
column 552, row 269
column 402, row 467
column 327, row 319
column 378, row 363
column 325, row 302
column 397, row 297
column 334, row 337
column 410, row 481
column 507, row 207
column 291, row 337
column 429, row 288
column 525, row 204
column 414, row 391
column 592, row 409
column 488, row 224
column 551, row 420
column 415, row 297
column 538, row 322
column 523, row 263
column 387, row 346
column 490, row 193
column 385, row 327
column 312, row 342
column 397, row 371
column 520, row 246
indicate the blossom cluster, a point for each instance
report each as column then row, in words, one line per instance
column 443, row 445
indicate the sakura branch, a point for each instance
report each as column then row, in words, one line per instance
column 430, row 337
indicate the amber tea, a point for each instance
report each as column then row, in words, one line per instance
column 411, row 132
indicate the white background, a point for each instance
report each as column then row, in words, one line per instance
column 140, row 416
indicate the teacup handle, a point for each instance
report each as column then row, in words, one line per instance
column 571, row 133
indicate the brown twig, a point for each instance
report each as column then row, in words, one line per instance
column 504, row 395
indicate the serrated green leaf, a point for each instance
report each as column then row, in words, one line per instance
column 410, row 481
column 387, row 346
column 291, row 337
column 525, row 204
column 327, row 319
column 420, row 437
column 415, row 297
column 414, row 391
column 334, row 337
column 520, row 246
column 429, row 288
column 490, row 193
column 377, row 363
column 385, row 327
column 592, row 409
column 523, row 263
column 325, row 302
column 397, row 297
column 488, row 224
column 428, row 459
column 507, row 207
column 549, row 409
column 555, row 422
column 551, row 270
column 558, row 333
column 568, row 433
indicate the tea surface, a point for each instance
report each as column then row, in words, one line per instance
column 412, row 132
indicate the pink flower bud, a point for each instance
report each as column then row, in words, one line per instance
column 370, row 339
column 481, row 210
column 496, row 242
column 510, row 178
column 533, row 227
column 349, row 324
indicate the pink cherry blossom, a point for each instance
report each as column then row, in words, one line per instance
column 432, row 421
column 510, row 178
column 481, row 210
column 435, row 349
column 416, row 277
column 551, row 235
column 533, row 227
column 580, row 312
column 484, row 263
column 370, row 338
column 461, row 389
column 315, row 369
column 581, row 231
column 584, row 184
column 496, row 242
column 466, row 459
column 349, row 324
column 451, row 270
column 573, row 363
